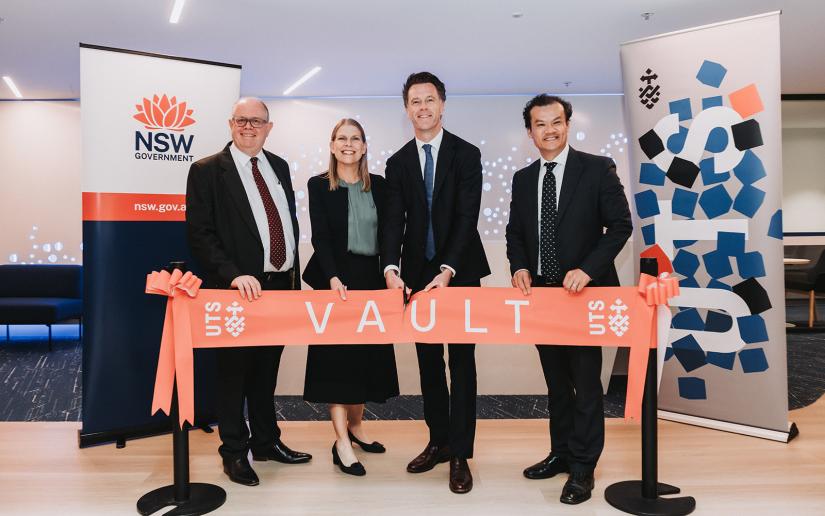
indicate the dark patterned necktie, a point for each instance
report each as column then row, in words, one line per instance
column 548, row 241
column 277, row 245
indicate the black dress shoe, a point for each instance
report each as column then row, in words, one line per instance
column 375, row 447
column 549, row 467
column 240, row 472
column 356, row 468
column 427, row 460
column 281, row 453
column 461, row 480
column 577, row 489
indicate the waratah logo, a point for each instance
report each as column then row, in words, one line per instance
column 163, row 113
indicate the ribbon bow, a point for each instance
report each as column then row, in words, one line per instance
column 175, row 360
column 658, row 291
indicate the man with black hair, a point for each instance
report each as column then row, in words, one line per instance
column 569, row 219
column 431, row 240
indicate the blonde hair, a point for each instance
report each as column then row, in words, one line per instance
column 363, row 169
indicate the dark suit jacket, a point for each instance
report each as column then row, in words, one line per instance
column 221, row 229
column 456, row 202
column 328, row 212
column 591, row 199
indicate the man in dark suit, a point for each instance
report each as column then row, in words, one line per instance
column 430, row 240
column 242, row 230
column 569, row 219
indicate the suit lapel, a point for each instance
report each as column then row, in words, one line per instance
column 533, row 199
column 283, row 178
column 414, row 168
column 572, row 174
column 232, row 179
column 444, row 162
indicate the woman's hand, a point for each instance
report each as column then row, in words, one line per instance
column 335, row 284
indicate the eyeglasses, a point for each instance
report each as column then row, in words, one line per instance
column 257, row 123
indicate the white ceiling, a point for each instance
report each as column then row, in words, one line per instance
column 368, row 47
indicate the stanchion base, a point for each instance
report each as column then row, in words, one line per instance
column 203, row 498
column 627, row 496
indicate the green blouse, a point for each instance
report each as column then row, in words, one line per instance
column 362, row 220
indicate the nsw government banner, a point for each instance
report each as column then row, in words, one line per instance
column 145, row 119
column 703, row 108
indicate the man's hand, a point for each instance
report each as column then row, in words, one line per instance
column 575, row 281
column 335, row 284
column 248, row 286
column 395, row 281
column 522, row 280
column 441, row 280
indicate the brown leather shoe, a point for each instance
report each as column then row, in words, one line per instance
column 461, row 480
column 428, row 459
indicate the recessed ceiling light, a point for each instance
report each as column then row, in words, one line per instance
column 307, row 76
column 176, row 10
column 12, row 87
column 567, row 84
column 646, row 16
column 517, row 14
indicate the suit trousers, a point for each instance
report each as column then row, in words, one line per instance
column 248, row 376
column 575, row 403
column 450, row 414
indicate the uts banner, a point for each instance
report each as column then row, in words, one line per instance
column 703, row 107
column 144, row 119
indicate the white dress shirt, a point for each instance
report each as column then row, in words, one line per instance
column 422, row 157
column 243, row 163
column 558, row 171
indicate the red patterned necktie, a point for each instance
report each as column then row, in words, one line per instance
column 277, row 245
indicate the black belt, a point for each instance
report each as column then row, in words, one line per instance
column 544, row 281
column 267, row 277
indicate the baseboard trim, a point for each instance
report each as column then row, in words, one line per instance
column 735, row 428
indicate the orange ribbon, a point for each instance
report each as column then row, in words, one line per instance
column 597, row 316
column 175, row 359
column 657, row 291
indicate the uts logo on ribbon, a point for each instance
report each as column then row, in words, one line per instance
column 234, row 323
column 617, row 321
column 159, row 115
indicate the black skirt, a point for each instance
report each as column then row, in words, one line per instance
column 351, row 374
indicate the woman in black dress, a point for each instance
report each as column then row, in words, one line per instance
column 345, row 206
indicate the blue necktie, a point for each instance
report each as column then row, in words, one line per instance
column 429, row 175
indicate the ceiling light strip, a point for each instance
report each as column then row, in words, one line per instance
column 307, row 76
column 12, row 87
column 176, row 10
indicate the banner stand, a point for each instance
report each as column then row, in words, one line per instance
column 644, row 497
column 188, row 498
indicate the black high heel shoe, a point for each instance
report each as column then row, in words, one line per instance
column 356, row 468
column 375, row 447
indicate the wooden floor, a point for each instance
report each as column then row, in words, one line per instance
column 43, row 472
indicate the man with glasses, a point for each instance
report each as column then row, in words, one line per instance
column 242, row 231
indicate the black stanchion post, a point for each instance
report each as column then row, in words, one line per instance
column 188, row 499
column 645, row 497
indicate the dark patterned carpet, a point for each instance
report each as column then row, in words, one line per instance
column 37, row 385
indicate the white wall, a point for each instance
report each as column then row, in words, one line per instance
column 40, row 182
column 803, row 161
